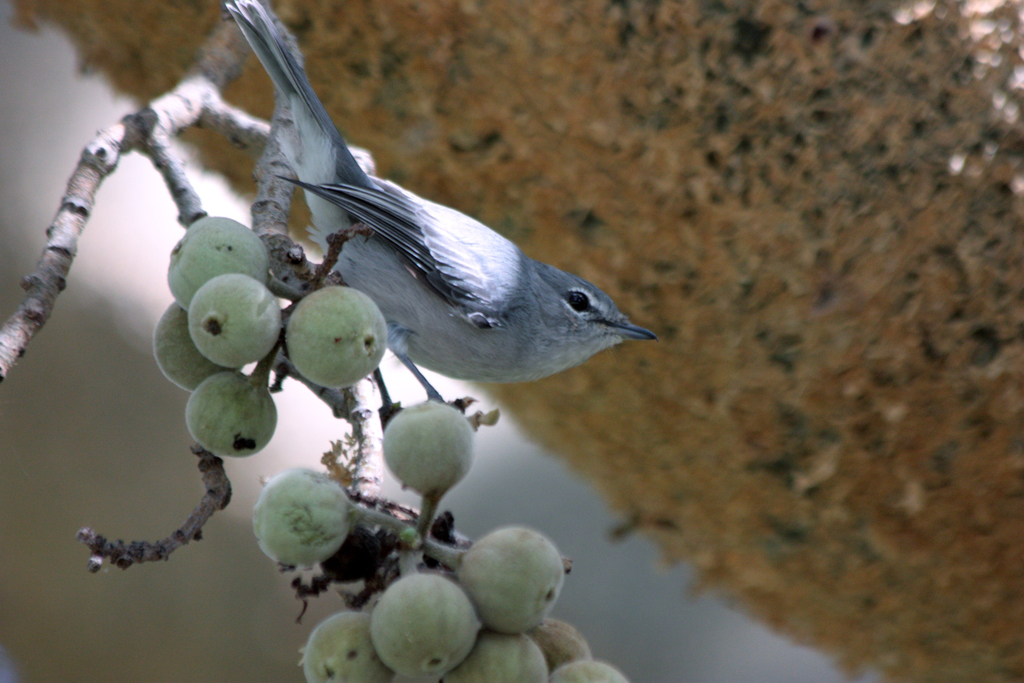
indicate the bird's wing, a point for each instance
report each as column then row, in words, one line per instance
column 463, row 261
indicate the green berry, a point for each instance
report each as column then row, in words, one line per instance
column 429, row 447
column 214, row 246
column 234, row 320
column 560, row 642
column 513, row 575
column 423, row 625
column 339, row 651
column 501, row 658
column 301, row 517
column 336, row 336
column 584, row 671
column 176, row 355
column 229, row 416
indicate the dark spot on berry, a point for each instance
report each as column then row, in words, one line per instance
column 212, row 326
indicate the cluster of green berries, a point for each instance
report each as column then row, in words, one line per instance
column 483, row 622
column 487, row 623
column 224, row 317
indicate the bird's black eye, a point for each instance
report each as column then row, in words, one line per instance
column 578, row 300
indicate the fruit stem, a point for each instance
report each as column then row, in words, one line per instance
column 260, row 376
column 428, row 508
column 443, row 553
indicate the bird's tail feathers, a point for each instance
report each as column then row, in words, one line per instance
column 290, row 79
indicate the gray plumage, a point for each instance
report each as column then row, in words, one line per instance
column 459, row 298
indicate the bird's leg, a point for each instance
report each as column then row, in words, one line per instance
column 432, row 393
column 387, row 406
column 398, row 342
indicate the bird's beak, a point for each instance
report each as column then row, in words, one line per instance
column 630, row 331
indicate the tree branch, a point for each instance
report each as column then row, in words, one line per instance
column 353, row 404
column 367, row 465
column 124, row 555
column 98, row 160
column 196, row 99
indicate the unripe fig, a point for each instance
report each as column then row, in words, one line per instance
column 301, row 517
column 587, row 671
column 229, row 416
column 429, row 447
column 560, row 642
column 214, row 246
column 501, row 658
column 176, row 354
column 336, row 336
column 513, row 575
column 423, row 625
column 339, row 651
column 234, row 320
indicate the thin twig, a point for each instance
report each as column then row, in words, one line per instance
column 354, row 404
column 334, row 398
column 242, row 130
column 335, row 241
column 124, row 555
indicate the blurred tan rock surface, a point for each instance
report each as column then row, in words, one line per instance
column 817, row 206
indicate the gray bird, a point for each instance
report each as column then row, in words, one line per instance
column 459, row 298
